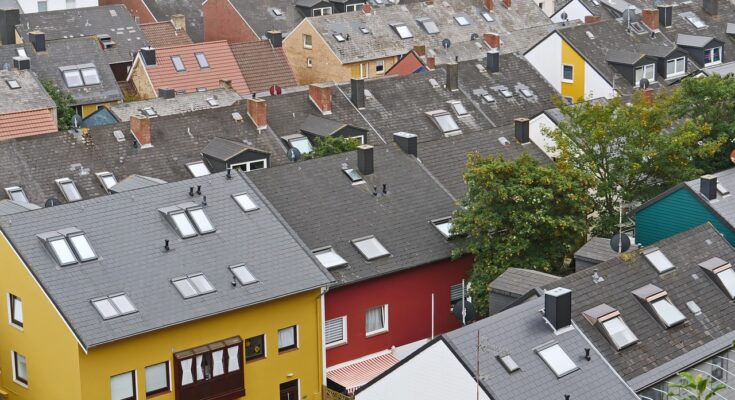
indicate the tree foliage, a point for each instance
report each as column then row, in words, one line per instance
column 64, row 105
column 634, row 151
column 329, row 145
column 695, row 387
column 519, row 214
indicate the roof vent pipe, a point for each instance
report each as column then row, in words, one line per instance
column 165, row 245
column 587, row 354
column 191, row 191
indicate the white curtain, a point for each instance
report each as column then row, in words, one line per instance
column 200, row 367
column 374, row 319
column 218, row 368
column 233, row 363
column 122, row 386
column 286, row 337
column 186, row 377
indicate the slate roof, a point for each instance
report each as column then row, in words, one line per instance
column 134, row 182
column 716, row 26
column 320, row 126
column 722, row 205
column 163, row 10
column 10, row 207
column 692, row 40
column 598, row 250
column 29, row 96
column 127, row 233
column 180, row 104
column 164, row 34
column 660, row 353
column 263, row 66
column 69, row 52
column 318, row 201
column 114, row 20
column 518, row 281
column 720, row 69
column 259, row 15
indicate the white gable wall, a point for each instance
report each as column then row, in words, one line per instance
column 595, row 86
column 31, row 6
column 536, row 128
column 546, row 58
column 433, row 374
column 575, row 11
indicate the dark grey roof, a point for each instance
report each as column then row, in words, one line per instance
column 722, row 205
column 716, row 26
column 224, row 149
column 692, row 40
column 320, row 126
column 127, row 233
column 180, row 104
column 676, row 347
column 29, row 96
column 134, row 182
column 259, row 15
column 114, row 21
column 517, row 281
column 598, row 250
column 318, row 201
column 616, row 56
column 10, row 207
column 720, row 69
column 519, row 332
column 163, row 10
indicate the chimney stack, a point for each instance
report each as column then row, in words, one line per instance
column 489, row 5
column 258, row 113
column 179, row 22
column 8, row 20
column 275, row 37
column 453, row 77
column 408, row 142
column 140, row 126
column 558, row 307
column 492, row 40
column 149, row 55
column 521, row 130
column 650, row 18
column 420, row 50
column 431, row 63
column 321, row 95
column 506, row 3
column 367, row 8
column 357, row 92
column 711, row 7
column 492, row 61
column 365, row 159
column 591, row 19
column 21, row 63
column 708, row 186
column 38, row 40
column 664, row 15
column 648, row 95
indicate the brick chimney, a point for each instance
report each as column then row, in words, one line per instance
column 179, row 22
column 258, row 113
column 648, row 95
column 492, row 40
column 367, row 8
column 649, row 17
column 506, row 3
column 489, row 5
column 431, row 63
column 591, row 19
column 321, row 95
column 140, row 126
column 420, row 49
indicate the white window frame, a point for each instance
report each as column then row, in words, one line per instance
column 15, row 371
column 562, row 73
column 380, row 67
column 364, row 70
column 647, row 71
column 711, row 52
column 675, row 61
column 385, row 327
column 344, row 333
column 318, row 12
column 311, row 41
column 353, row 7
column 248, row 163
column 101, row 176
column 16, row 189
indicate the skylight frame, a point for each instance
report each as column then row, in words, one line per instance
column 243, row 274
column 353, row 175
column 182, row 224
column 83, row 250
column 201, row 60
column 402, row 31
column 629, row 337
column 68, row 189
column 508, row 363
column 459, row 109
column 178, row 63
column 722, row 273
column 244, row 201
column 201, row 220
column 445, row 122
column 444, row 226
column 488, row 98
column 189, row 286
column 301, row 143
column 487, row 17
column 462, row 20
column 557, row 360
column 13, row 84
column 107, row 179
column 658, row 260
column 90, row 76
column 339, row 37
column 119, row 304
column 16, row 193
column 367, row 245
column 277, row 12
column 66, row 256
column 328, row 257
column 72, row 78
column 506, row 93
column 428, row 24
column 197, row 169
column 667, row 312
column 727, row 281
column 526, row 92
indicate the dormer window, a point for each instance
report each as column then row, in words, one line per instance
column 712, row 56
column 676, row 67
column 328, row 257
column 445, row 122
column 321, row 11
column 16, row 193
column 370, row 248
column 658, row 260
column 611, row 324
column 660, row 305
column 68, row 189
column 722, row 273
column 402, row 31
column 645, row 71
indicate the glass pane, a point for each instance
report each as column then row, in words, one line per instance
column 90, row 76
column 302, row 144
column 243, row 275
column 374, row 319
column 681, row 65
column 108, row 180
column 557, row 360
column 619, row 332
column 156, row 377
column 330, row 258
column 183, row 225
column 198, row 169
column 73, row 78
column 568, row 72
column 243, row 200
column 123, row 304
column 218, row 367
column 178, row 63
column 446, row 123
column 122, row 386
column 202, row 60
column 459, row 108
column 404, row 32
column 371, row 248
column 21, row 371
column 17, row 310
column 70, row 191
column 18, row 195
column 185, row 288
column 254, row 347
column 509, row 363
column 105, row 308
column 82, row 247
column 287, row 337
column 201, row 284
column 444, row 227
column 200, row 365
column 659, row 261
column 233, row 362
column 668, row 312
column 62, row 251
column 462, row 21
column 186, row 377
column 727, row 277
column 716, row 54
column 670, row 67
column 201, row 220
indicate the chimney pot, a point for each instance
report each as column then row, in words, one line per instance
column 191, row 191
column 558, row 307
column 258, row 113
column 199, row 189
column 453, row 77
column 708, row 186
column 321, row 95
column 492, row 61
column 492, row 40
column 149, row 55
column 522, row 130
column 275, row 37
column 365, row 159
column 587, row 354
column 141, row 127
column 591, row 19
column 650, row 18
column 38, row 40
column 357, row 93
column 8, row 20
column 179, row 22
column 408, row 142
column 489, row 5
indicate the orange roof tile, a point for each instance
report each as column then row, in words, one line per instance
column 263, row 66
column 163, row 34
column 222, row 66
column 27, row 123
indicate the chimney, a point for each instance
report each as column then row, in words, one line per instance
column 489, row 5
column 431, row 63
column 275, row 37
column 521, row 128
column 558, row 307
column 453, row 77
column 357, row 92
column 8, row 20
column 149, row 55
column 664, row 15
column 365, row 159
column 408, row 142
column 650, row 18
column 321, row 95
column 140, row 126
column 179, row 22
column 591, row 19
column 648, row 95
column 367, row 8
column 506, row 3
column 258, row 113
column 21, row 63
column 492, row 40
column 708, row 186
column 166, row 93
column 492, row 61
column 420, row 50
column 710, row 6
column 38, row 40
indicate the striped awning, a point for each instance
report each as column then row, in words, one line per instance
column 355, row 375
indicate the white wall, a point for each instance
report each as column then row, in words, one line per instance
column 575, row 11
column 595, row 86
column 546, row 58
column 547, row 6
column 433, row 374
column 31, row 6
column 536, row 129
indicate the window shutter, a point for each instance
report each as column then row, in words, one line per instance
column 334, row 330
column 455, row 292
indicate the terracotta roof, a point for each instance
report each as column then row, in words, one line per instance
column 262, row 65
column 27, row 123
column 222, row 66
column 163, row 34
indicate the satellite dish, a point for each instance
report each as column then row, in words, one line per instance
column 616, row 242
column 446, row 43
column 275, row 90
column 564, row 16
column 469, row 311
column 474, row 36
column 644, row 83
column 53, row 201
column 293, row 154
column 76, row 120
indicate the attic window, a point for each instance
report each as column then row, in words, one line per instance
column 69, row 246
column 192, row 285
column 487, row 17
column 508, row 363
column 202, row 60
column 13, row 84
column 243, row 275
column 68, row 189
column 73, row 78
column 364, row 30
column 461, row 20
column 488, row 98
column 506, row 93
column 370, row 248
column 244, row 201
column 277, row 12
column 428, row 24
column 658, row 260
column 353, row 175
column 202, row 222
column 90, row 76
column 402, row 31
column 558, row 360
column 178, row 63
column 61, row 251
column 107, row 179
column 149, row 112
column 658, row 302
column 340, row 38
column 696, row 21
column 611, row 323
column 722, row 273
column 114, row 306
column 82, row 248
column 16, row 193
column 444, row 226
column 459, row 108
column 212, row 102
column 180, row 221
column 527, row 92
column 301, row 143
column 444, row 121
column 197, row 169
column 328, row 257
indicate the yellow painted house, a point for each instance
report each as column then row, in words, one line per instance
column 168, row 291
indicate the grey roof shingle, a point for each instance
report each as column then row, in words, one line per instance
column 9, row 207
column 692, row 40
column 133, row 182
column 518, row 281
column 180, row 104
column 320, row 126
column 259, row 15
column 723, row 204
column 163, row 10
column 127, row 233
column 30, row 96
column 597, row 250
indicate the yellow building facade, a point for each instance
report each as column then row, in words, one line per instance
column 575, row 88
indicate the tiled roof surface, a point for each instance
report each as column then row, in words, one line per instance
column 222, row 66
column 598, row 249
column 31, row 94
column 722, row 205
column 27, row 123
column 518, row 281
column 263, row 66
column 164, row 34
column 259, row 15
column 163, row 10
column 180, row 104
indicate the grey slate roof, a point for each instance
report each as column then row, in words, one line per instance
column 318, row 201
column 134, row 181
column 114, row 21
column 692, row 40
column 224, row 149
column 518, row 332
column 518, row 281
column 675, row 347
column 10, row 207
column 163, row 10
column 624, row 57
column 127, row 233
column 259, row 15
column 29, row 96
column 320, row 126
column 722, row 205
column 598, row 250
column 180, row 104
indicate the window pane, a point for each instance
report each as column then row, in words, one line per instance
column 108, row 180
column 716, row 54
column 17, row 310
column 371, row 248
column 200, row 365
column 90, row 76
column 123, row 304
column 619, row 332
column 17, row 195
column 197, row 169
column 334, row 330
column 201, row 220
column 185, row 288
column 243, row 275
column 256, row 165
column 73, row 78
column 287, row 337
column 668, row 312
column 557, row 360
column 122, row 386
column 21, row 368
column 186, row 377
column 183, row 225
column 82, row 247
column 374, row 319
column 201, row 284
column 202, row 60
column 105, row 308
column 670, row 67
column 254, row 347
column 244, row 201
column 681, row 65
column 218, row 367
column 62, row 251
column 178, row 63
column 233, row 362
column 659, row 261
column 459, row 109
column 638, row 74
column 727, row 277
column 329, row 258
column 156, row 378
column 568, row 72
column 70, row 191
column 302, row 144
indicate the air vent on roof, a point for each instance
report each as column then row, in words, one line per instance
column 119, row 136
column 503, row 141
column 434, row 83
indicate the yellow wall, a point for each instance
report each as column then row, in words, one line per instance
column 575, row 90
column 88, row 109
column 48, row 345
column 141, row 82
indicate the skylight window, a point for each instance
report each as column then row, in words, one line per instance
column 658, row 260
column 428, row 24
column 73, row 78
column 508, row 363
column 21, row 52
column 149, row 112
column 62, row 251
column 178, row 63
column 202, row 60
column 114, row 306
column 329, row 258
column 487, row 17
column 243, row 275
column 340, row 38
column 353, row 175
column 558, row 360
column 68, row 189
column 90, row 76
column 618, row 332
column 696, row 21
column 277, row 12
column 444, row 226
column 16, row 193
column 82, row 248
column 244, row 201
column 444, row 121
column 727, row 278
column 202, row 222
column 488, row 98
column 459, row 109
column 193, row 285
column 301, row 143
column 722, row 189
column 527, row 92
column 667, row 312
column 723, row 274
column 364, row 30
column 212, row 102
column 181, row 223
column 197, row 169
column 461, row 20
column 402, row 31
column 370, row 248
column 506, row 93
column 13, row 84
column 107, row 179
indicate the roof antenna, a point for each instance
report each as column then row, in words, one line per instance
column 191, row 191
column 229, row 173
column 587, row 354
column 165, row 246
column 375, row 190
column 204, row 201
column 385, row 188
column 199, row 189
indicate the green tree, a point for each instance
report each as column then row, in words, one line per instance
column 329, row 145
column 694, row 388
column 519, row 214
column 64, row 108
column 633, row 150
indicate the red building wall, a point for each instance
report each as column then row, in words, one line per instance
column 408, row 295
column 136, row 7
column 223, row 22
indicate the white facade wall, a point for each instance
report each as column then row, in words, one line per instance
column 433, row 374
column 575, row 11
column 546, row 58
column 595, row 86
column 536, row 128
column 31, row 6
column 547, row 6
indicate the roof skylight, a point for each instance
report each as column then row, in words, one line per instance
column 68, row 189
column 178, row 63
column 90, row 76
column 558, row 360
column 611, row 323
column 527, row 92
column 402, row 31
column 444, row 121
column 244, row 201
column 353, row 175
column 364, row 30
column 202, row 60
column 508, row 363
column 107, row 179
column 16, row 193
column 202, row 222
column 73, row 78
column 21, row 52
column 459, row 108
column 193, row 285
column 461, row 20
column 487, row 17
column 488, row 98
column 506, row 93
column 13, row 84
column 723, row 274
column 243, row 275
column 301, row 143
column 370, row 248
column 68, row 246
column 667, row 312
column 428, row 24
column 197, row 169
column 328, row 257
column 149, row 112
column 444, row 226
column 339, row 37
column 82, row 248
column 277, row 12
column 62, row 251
column 658, row 260
column 114, row 306
column 695, row 20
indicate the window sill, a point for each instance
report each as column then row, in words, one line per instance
column 287, row 350
column 252, row 360
column 19, row 383
column 335, row 344
column 308, row 47
column 20, row 328
column 713, row 63
column 376, row 333
column 567, row 81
